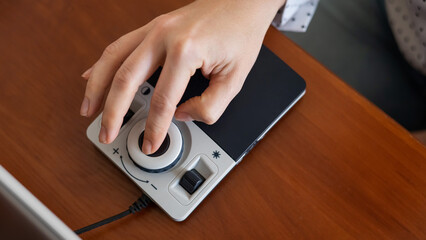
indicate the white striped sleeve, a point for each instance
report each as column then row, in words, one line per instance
column 295, row 15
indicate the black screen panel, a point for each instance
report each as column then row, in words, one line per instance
column 270, row 88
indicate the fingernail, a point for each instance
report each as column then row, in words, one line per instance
column 146, row 147
column 84, row 107
column 86, row 74
column 183, row 117
column 103, row 135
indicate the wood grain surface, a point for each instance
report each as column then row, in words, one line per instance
column 335, row 167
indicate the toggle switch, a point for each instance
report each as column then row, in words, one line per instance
column 191, row 181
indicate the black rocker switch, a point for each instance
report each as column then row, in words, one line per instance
column 191, row 181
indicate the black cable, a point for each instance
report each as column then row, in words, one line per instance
column 137, row 206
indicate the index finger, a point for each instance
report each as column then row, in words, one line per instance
column 133, row 72
column 169, row 90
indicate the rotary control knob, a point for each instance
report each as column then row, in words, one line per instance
column 166, row 157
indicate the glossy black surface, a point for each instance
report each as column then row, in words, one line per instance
column 270, row 88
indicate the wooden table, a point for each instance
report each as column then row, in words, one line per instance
column 336, row 167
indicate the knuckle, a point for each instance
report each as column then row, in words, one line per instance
column 112, row 49
column 163, row 23
column 183, row 46
column 109, row 118
column 154, row 129
column 94, row 88
column 230, row 89
column 91, row 87
column 234, row 89
column 162, row 20
column 179, row 44
column 161, row 104
column 123, row 77
column 208, row 116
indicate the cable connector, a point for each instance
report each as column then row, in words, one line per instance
column 137, row 206
column 140, row 204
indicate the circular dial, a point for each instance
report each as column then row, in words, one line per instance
column 162, row 160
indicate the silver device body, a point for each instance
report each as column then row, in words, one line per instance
column 199, row 152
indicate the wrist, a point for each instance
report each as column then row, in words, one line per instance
column 252, row 16
column 261, row 12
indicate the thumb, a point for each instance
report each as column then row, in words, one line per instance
column 213, row 101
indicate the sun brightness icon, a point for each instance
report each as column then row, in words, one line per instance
column 216, row 154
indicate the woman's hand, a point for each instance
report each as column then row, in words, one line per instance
column 220, row 37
